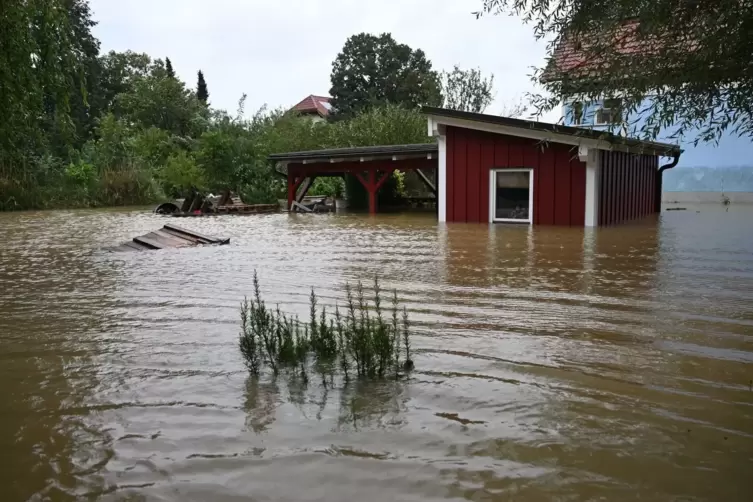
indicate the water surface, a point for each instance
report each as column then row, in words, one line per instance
column 552, row 364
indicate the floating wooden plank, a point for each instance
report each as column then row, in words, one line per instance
column 170, row 240
column 301, row 207
column 132, row 246
column 149, row 242
column 169, row 236
column 191, row 233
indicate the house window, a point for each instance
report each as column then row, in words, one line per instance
column 511, row 195
column 610, row 112
column 576, row 110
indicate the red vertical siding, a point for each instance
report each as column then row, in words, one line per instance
column 627, row 186
column 488, row 152
column 559, row 177
column 639, row 185
column 450, row 176
column 561, row 180
column 577, row 192
column 460, row 151
column 647, row 195
column 544, row 201
column 474, row 179
column 621, row 188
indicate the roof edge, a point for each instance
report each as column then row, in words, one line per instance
column 417, row 149
column 545, row 130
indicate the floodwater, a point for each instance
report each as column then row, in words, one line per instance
column 551, row 364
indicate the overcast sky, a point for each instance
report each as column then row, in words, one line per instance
column 280, row 51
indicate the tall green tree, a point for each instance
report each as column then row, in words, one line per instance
column 467, row 90
column 162, row 102
column 120, row 72
column 375, row 70
column 84, row 78
column 169, row 68
column 37, row 54
column 201, row 89
column 677, row 65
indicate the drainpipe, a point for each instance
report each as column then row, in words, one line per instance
column 659, row 173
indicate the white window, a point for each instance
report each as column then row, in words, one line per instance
column 511, row 195
column 610, row 112
column 576, row 111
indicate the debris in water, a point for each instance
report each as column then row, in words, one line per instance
column 455, row 417
column 169, row 236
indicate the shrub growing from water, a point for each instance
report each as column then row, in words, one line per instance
column 359, row 341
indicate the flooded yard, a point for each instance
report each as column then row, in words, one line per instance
column 551, row 363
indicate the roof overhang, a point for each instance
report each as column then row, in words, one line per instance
column 440, row 118
column 358, row 154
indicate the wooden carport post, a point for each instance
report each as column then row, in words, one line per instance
column 294, row 182
column 372, row 186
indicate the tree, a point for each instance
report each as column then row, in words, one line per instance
column 467, row 90
column 201, row 89
column 691, row 59
column 120, row 72
column 83, row 77
column 162, row 102
column 169, row 68
column 35, row 66
column 374, row 70
column 513, row 109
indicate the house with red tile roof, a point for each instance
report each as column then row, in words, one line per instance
column 317, row 107
column 725, row 166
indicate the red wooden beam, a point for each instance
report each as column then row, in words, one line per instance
column 291, row 190
column 352, row 167
column 298, row 182
column 373, row 182
column 383, row 179
column 372, row 191
column 363, row 181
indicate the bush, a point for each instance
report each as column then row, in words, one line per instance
column 126, row 186
column 360, row 341
column 328, row 187
column 263, row 191
column 181, row 174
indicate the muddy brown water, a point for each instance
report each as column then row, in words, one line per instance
column 552, row 364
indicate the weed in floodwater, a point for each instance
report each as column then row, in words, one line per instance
column 361, row 339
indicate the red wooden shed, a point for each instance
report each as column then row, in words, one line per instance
column 499, row 169
column 492, row 169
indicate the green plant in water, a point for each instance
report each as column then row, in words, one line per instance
column 362, row 338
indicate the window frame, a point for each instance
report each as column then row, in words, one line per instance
column 493, row 195
column 612, row 111
column 577, row 120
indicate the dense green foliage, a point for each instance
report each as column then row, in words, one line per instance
column 691, row 58
column 376, row 70
column 81, row 129
column 366, row 339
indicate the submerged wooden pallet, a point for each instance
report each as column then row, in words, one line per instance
column 169, row 236
column 231, row 209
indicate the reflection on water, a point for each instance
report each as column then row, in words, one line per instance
column 552, row 363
